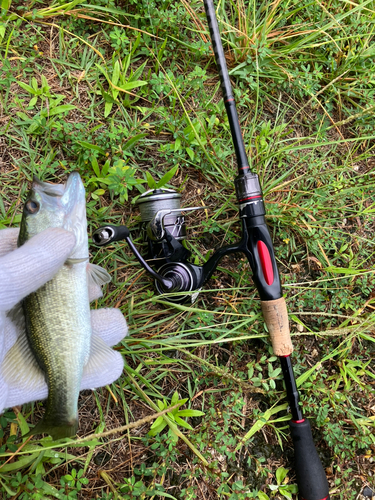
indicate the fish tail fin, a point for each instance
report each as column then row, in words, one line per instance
column 56, row 430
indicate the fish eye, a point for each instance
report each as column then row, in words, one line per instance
column 32, row 207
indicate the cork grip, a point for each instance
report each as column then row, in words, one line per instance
column 276, row 317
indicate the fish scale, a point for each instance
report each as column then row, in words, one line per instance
column 59, row 335
column 58, row 324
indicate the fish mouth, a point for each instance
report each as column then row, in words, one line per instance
column 68, row 199
column 59, row 205
column 70, row 193
column 47, row 188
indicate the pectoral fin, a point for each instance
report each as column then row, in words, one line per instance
column 97, row 275
column 103, row 367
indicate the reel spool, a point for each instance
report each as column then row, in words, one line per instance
column 163, row 226
column 153, row 201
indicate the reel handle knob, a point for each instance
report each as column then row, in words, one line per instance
column 107, row 234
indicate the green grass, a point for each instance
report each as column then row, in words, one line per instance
column 121, row 90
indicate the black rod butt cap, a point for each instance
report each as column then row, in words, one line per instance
column 311, row 478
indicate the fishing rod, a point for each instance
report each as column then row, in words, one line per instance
column 311, row 478
column 164, row 230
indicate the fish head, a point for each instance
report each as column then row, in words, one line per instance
column 57, row 205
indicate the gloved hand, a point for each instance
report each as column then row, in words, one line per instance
column 22, row 271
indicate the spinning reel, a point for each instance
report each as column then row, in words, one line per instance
column 163, row 229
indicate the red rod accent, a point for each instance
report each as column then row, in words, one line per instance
column 251, row 197
column 299, row 422
column 266, row 262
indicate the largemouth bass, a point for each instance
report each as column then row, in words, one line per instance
column 58, row 326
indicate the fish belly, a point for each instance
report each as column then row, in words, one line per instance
column 59, row 333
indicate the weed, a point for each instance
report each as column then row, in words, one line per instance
column 119, row 178
column 127, row 94
column 175, row 415
column 119, row 81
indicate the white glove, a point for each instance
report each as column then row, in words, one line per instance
column 22, row 271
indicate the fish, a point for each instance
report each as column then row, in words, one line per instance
column 57, row 315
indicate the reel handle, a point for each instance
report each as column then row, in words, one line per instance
column 107, row 234
column 173, row 277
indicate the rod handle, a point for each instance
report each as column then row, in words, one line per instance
column 311, row 478
column 276, row 317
